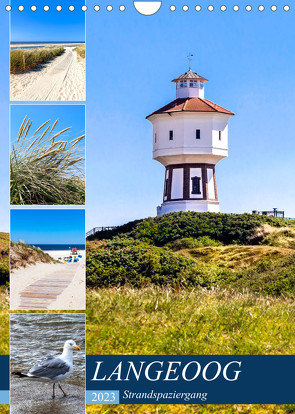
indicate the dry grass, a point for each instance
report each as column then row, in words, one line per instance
column 283, row 237
column 80, row 51
column 22, row 255
column 236, row 257
column 45, row 167
column 95, row 244
column 28, row 59
column 4, row 241
column 4, row 317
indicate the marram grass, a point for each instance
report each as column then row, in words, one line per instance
column 22, row 60
column 45, row 167
column 80, row 51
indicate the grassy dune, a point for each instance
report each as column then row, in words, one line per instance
column 80, row 51
column 236, row 257
column 4, row 318
column 4, row 258
column 29, row 59
column 22, row 255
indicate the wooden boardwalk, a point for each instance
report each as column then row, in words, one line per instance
column 44, row 291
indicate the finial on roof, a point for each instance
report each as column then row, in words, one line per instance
column 189, row 58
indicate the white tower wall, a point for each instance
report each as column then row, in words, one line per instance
column 190, row 136
column 185, row 147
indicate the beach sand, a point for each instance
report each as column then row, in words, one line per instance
column 72, row 297
column 62, row 78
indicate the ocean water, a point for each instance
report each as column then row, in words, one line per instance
column 35, row 45
column 65, row 247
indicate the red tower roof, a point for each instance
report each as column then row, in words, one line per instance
column 191, row 105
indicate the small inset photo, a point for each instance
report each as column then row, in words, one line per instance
column 47, row 154
column 47, row 363
column 47, row 259
column 47, row 52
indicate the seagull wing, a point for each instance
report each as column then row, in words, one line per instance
column 51, row 368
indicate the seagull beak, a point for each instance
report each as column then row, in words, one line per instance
column 77, row 347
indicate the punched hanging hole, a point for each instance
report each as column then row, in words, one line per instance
column 210, row 8
column 223, row 8
column 198, row 8
column 46, row 8
column 71, row 8
column 21, row 8
column 109, row 8
column 122, row 8
column 84, row 8
column 96, row 8
column 58, row 8
column 236, row 8
column 248, row 8
column 33, row 8
column 172, row 8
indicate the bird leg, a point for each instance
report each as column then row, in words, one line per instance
column 53, row 390
column 62, row 390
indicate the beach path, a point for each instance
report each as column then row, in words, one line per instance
column 63, row 78
column 60, row 284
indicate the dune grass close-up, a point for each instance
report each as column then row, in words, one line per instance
column 29, row 59
column 46, row 167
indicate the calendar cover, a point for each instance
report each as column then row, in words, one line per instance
column 147, row 207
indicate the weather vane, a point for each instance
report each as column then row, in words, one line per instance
column 189, row 58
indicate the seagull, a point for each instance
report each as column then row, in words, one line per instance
column 53, row 369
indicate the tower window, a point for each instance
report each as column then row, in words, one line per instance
column 198, row 133
column 166, row 188
column 183, row 84
column 196, row 187
column 193, row 83
column 155, row 137
column 171, row 135
column 201, row 85
column 219, row 135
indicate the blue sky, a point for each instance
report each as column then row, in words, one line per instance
column 48, row 226
column 38, row 26
column 248, row 59
column 68, row 116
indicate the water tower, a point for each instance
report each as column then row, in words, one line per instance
column 190, row 136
